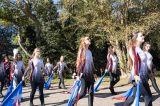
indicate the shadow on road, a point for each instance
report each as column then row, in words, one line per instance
column 57, row 103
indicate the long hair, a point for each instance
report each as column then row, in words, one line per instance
column 146, row 43
column 33, row 54
column 131, row 44
column 81, row 57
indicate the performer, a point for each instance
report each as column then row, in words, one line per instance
column 48, row 67
column 18, row 69
column 36, row 78
column 112, row 62
column 151, row 68
column 139, row 72
column 61, row 65
column 8, row 72
column 2, row 75
column 85, row 70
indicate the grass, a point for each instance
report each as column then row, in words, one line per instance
column 106, row 81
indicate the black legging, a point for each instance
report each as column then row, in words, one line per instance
column 34, row 86
column 154, row 84
column 7, row 77
column 114, row 78
column 144, row 90
column 61, row 80
column 2, row 85
column 90, row 87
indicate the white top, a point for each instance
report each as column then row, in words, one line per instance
column 88, row 72
column 38, row 67
column 114, row 62
column 89, row 60
column 149, row 60
column 61, row 66
column 48, row 67
column 18, row 67
column 143, row 57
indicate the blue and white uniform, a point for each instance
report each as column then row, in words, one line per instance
column 18, row 69
column 49, row 68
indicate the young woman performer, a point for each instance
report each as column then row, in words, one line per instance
column 48, row 67
column 18, row 69
column 8, row 72
column 2, row 75
column 139, row 71
column 112, row 62
column 36, row 78
column 85, row 69
column 61, row 65
column 146, row 49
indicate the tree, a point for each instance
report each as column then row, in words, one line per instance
column 113, row 20
column 6, row 32
column 36, row 22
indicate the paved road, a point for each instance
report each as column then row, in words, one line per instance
column 56, row 97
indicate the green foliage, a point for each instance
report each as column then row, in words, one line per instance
column 58, row 33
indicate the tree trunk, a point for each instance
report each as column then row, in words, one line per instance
column 120, row 50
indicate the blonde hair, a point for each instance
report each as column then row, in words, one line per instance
column 110, row 49
column 81, row 57
column 33, row 54
column 131, row 44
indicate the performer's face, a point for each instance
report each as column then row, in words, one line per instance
column 6, row 59
column 140, row 38
column 113, row 49
column 147, row 47
column 19, row 56
column 87, row 41
column 37, row 53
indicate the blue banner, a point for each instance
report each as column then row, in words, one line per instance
column 47, row 84
column 74, row 93
column 96, row 86
column 14, row 99
column 9, row 91
column 136, row 100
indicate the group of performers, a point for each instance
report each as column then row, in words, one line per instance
column 140, row 62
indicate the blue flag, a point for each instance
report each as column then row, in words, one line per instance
column 47, row 84
column 124, row 96
column 136, row 100
column 74, row 93
column 96, row 86
column 9, row 91
column 14, row 98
